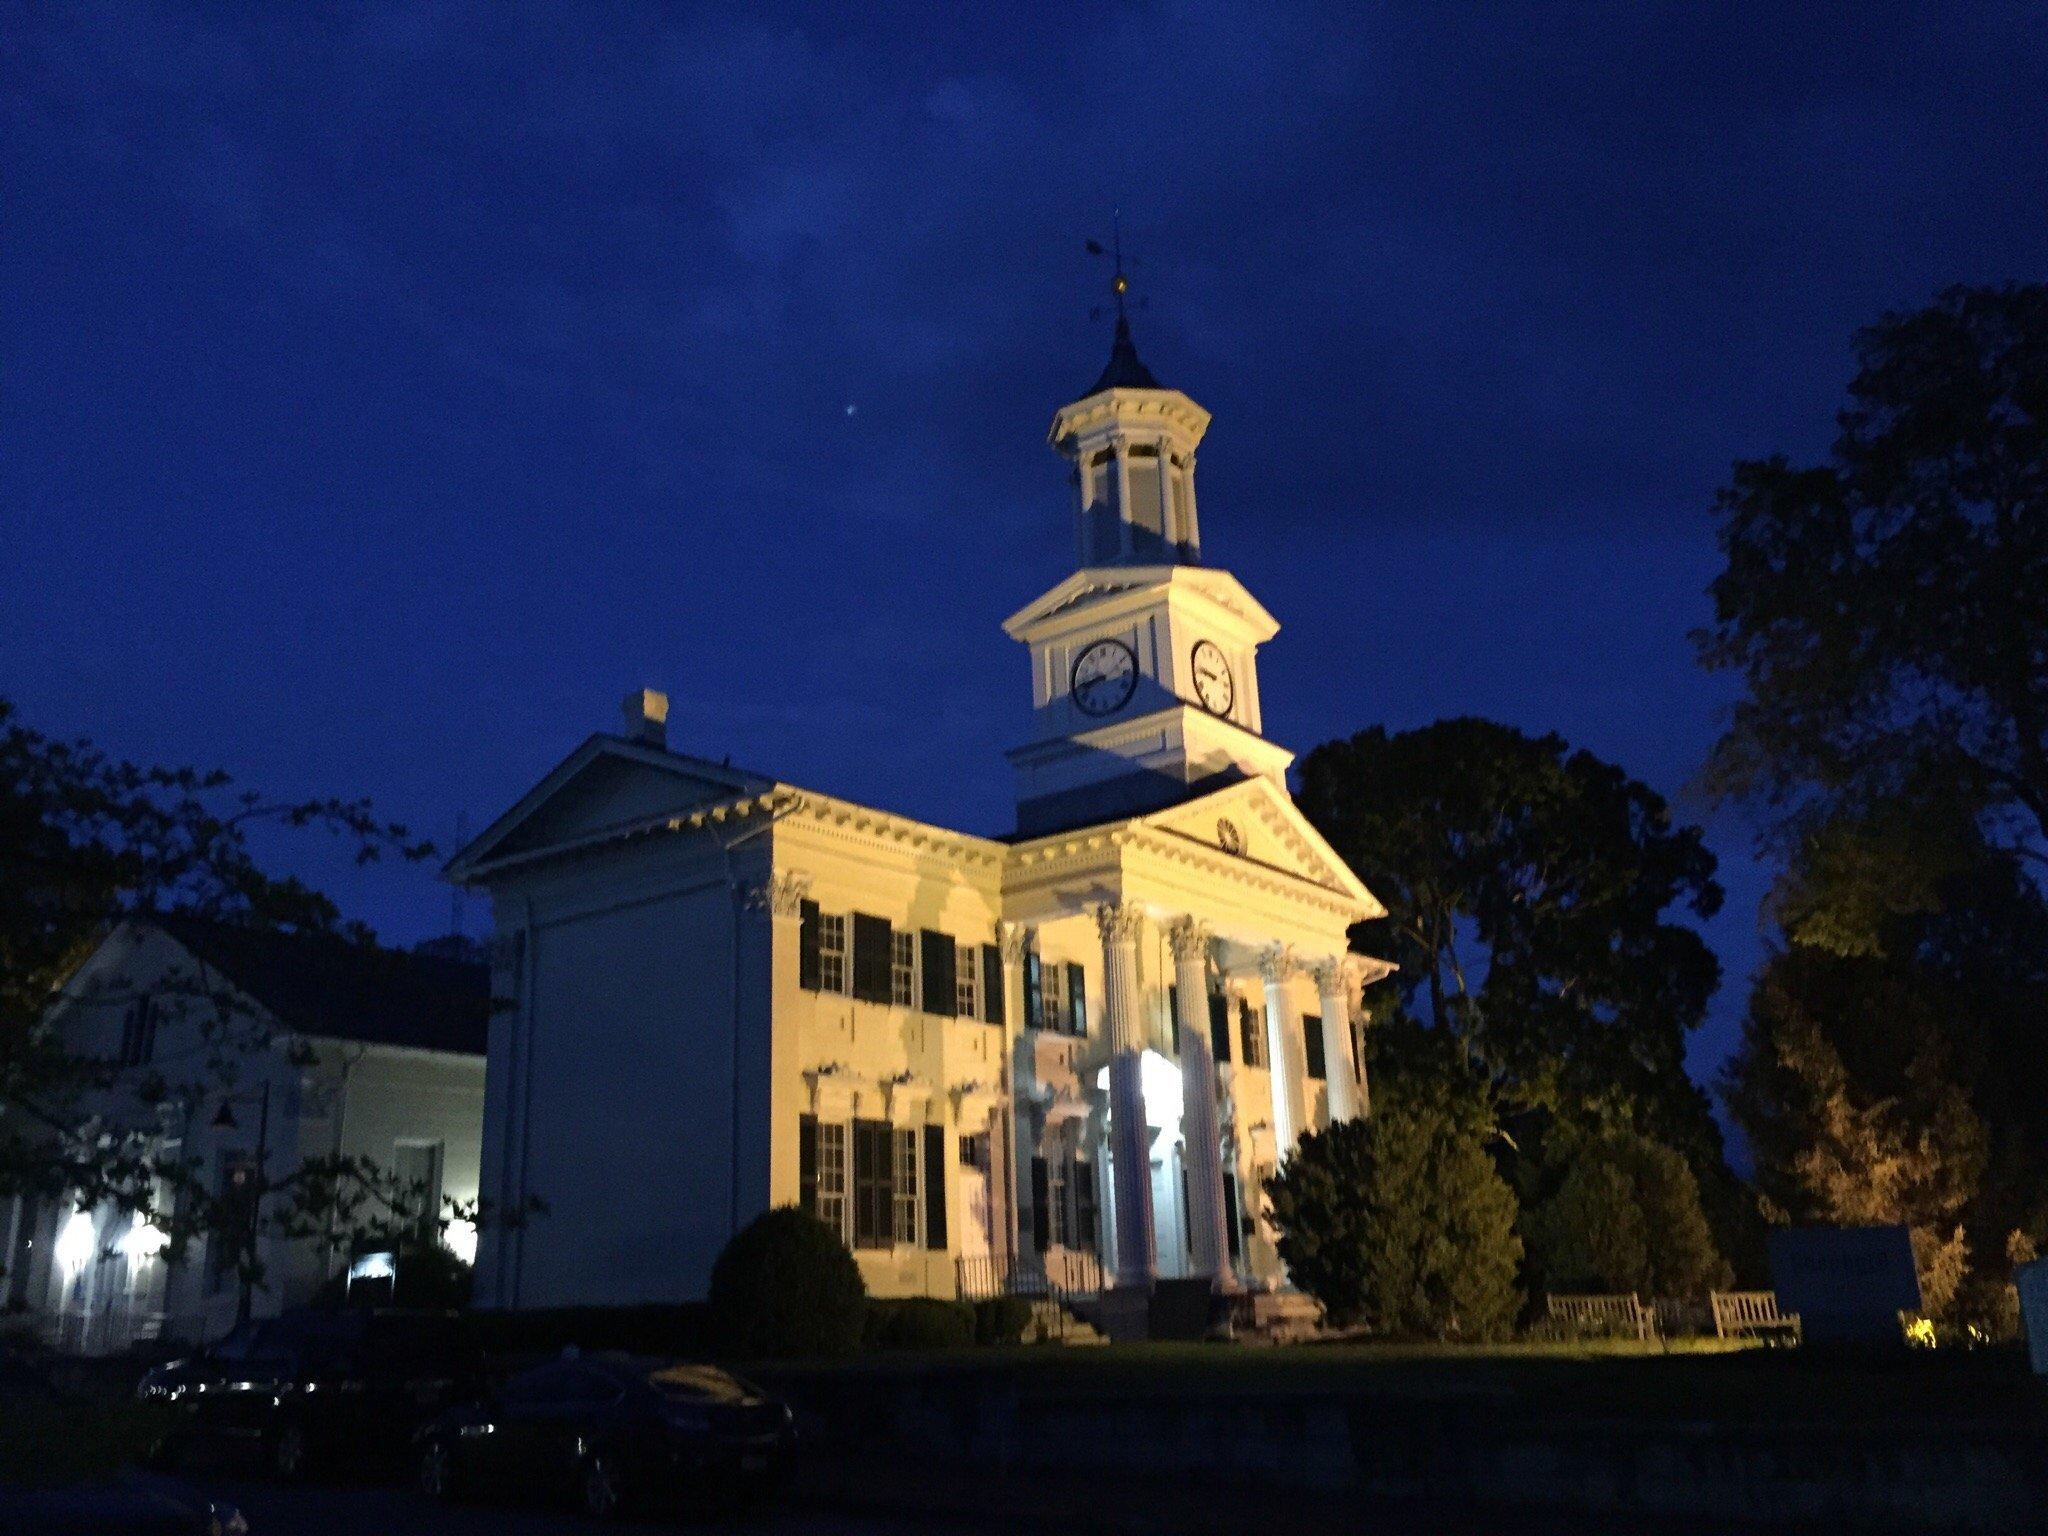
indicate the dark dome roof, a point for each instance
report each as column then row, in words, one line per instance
column 1124, row 370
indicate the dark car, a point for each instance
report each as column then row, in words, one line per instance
column 611, row 1431
column 312, row 1390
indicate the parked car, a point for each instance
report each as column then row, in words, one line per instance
column 611, row 1432
column 319, row 1389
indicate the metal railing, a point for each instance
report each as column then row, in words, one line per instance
column 1065, row 1279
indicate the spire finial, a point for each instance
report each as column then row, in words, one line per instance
column 1125, row 371
column 1119, row 280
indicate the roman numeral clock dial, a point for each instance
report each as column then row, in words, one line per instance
column 1213, row 684
column 1105, row 676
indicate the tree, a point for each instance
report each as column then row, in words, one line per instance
column 1887, row 609
column 1530, row 892
column 786, row 1286
column 85, row 841
column 1401, row 1224
column 1842, row 1084
column 1625, row 1217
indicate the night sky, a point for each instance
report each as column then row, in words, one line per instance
column 382, row 398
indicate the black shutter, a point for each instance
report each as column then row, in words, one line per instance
column 1219, row 1026
column 807, row 1162
column 1248, row 1035
column 1034, row 992
column 1173, row 1015
column 1312, row 1045
column 1077, row 999
column 1041, row 1217
column 935, row 1186
column 1233, row 1233
column 873, row 941
column 941, row 989
column 874, row 1184
column 993, row 1003
column 1084, row 1203
column 808, row 970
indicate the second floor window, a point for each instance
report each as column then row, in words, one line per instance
column 832, row 951
column 967, row 995
column 903, row 969
column 138, row 1032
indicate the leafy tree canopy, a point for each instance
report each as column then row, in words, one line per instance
column 1531, row 894
column 1887, row 609
column 1626, row 1217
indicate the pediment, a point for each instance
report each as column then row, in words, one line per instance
column 1268, row 830
column 606, row 786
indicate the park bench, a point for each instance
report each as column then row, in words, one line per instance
column 1620, row 1316
column 1752, row 1315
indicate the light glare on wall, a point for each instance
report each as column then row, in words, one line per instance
column 143, row 1242
column 75, row 1243
column 461, row 1240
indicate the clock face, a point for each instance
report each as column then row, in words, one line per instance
column 1213, row 685
column 1104, row 678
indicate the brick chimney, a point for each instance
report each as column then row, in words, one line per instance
column 647, row 717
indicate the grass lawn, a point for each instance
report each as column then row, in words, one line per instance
column 1702, row 1380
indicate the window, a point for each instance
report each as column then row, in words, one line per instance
column 905, row 1228
column 832, row 952
column 829, row 1204
column 1251, row 1034
column 966, row 989
column 1058, row 1226
column 235, row 1187
column 417, row 1167
column 1052, row 997
column 903, row 970
column 1312, row 1045
column 138, row 1032
column 873, row 1183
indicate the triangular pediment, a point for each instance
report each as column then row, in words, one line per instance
column 1097, row 586
column 1257, row 821
column 607, row 786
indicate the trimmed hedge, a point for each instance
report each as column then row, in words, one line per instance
column 786, row 1286
column 919, row 1322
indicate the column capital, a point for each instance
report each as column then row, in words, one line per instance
column 781, row 894
column 1190, row 939
column 1118, row 921
column 1277, row 962
column 1332, row 975
column 1014, row 939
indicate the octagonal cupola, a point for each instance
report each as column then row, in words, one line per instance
column 1131, row 443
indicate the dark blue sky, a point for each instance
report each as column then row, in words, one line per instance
column 382, row 397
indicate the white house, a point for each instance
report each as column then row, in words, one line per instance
column 1072, row 1051
column 260, row 1047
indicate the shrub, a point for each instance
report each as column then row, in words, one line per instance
column 1401, row 1223
column 785, row 1285
column 1627, row 1217
column 1001, row 1320
column 920, row 1322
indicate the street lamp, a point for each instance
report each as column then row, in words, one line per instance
column 224, row 1120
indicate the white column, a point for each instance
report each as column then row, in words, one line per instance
column 1201, row 1128
column 1012, row 939
column 1340, row 1071
column 1168, row 533
column 1130, row 1154
column 1123, row 498
column 1193, row 530
column 1287, row 1062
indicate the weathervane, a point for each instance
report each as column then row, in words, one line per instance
column 1119, row 283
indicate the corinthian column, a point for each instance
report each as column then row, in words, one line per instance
column 1130, row 1153
column 1201, row 1133
column 1340, row 1072
column 1287, row 1061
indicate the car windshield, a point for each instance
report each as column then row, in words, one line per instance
column 700, row 1382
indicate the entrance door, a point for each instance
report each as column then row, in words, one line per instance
column 1169, row 1214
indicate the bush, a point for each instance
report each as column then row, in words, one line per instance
column 1001, row 1320
column 785, row 1285
column 1401, row 1223
column 919, row 1322
column 1627, row 1217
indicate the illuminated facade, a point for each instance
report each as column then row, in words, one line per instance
column 1071, row 1053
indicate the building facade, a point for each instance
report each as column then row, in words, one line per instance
column 1072, row 1052
column 240, row 1050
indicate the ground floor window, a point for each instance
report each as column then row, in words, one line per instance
column 829, row 1203
column 905, row 1225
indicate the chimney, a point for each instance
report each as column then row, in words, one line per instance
column 647, row 717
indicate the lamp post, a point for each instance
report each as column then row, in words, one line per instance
column 224, row 1120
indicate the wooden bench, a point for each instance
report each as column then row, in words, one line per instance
column 1620, row 1316
column 1752, row 1315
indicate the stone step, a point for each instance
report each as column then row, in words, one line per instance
column 1052, row 1323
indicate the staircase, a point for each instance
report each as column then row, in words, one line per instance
column 1054, row 1322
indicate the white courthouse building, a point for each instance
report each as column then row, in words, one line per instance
column 1072, row 1052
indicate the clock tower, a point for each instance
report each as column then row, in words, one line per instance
column 1144, row 672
